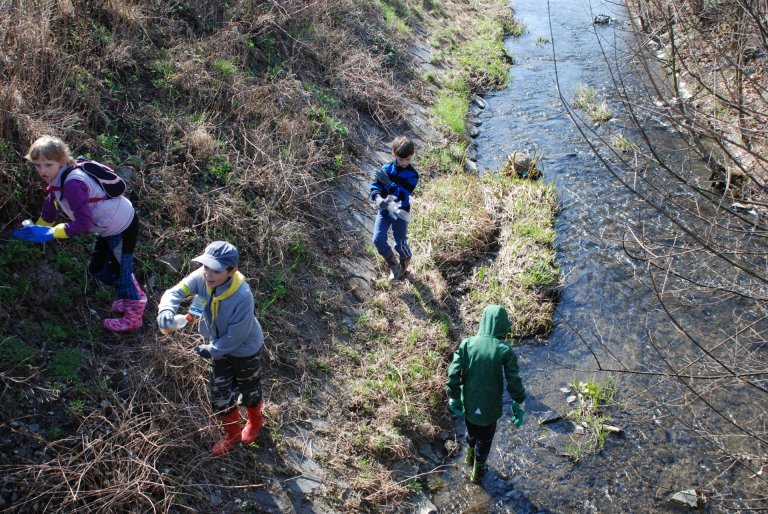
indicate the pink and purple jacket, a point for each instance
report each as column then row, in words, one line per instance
column 84, row 202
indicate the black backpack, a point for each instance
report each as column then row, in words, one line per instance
column 109, row 181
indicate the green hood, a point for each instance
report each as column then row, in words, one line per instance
column 495, row 322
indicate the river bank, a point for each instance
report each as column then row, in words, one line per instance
column 270, row 144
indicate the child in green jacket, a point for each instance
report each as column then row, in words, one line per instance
column 476, row 384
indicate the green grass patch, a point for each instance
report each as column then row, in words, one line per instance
column 585, row 98
column 226, row 69
column 75, row 409
column 14, row 353
column 327, row 124
column 274, row 289
column 484, row 56
column 53, row 332
column 590, row 400
column 64, row 366
column 450, row 112
column 441, row 160
column 325, row 98
column 394, row 16
column 219, row 169
column 16, row 260
column 623, row 145
column 524, row 275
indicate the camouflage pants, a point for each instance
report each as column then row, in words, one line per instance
column 233, row 379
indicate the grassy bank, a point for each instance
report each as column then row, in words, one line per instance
column 245, row 122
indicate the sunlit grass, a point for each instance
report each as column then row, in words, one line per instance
column 450, row 112
column 590, row 399
column 585, row 98
column 523, row 276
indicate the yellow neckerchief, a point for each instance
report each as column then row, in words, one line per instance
column 237, row 280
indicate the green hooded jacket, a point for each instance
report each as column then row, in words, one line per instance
column 480, row 363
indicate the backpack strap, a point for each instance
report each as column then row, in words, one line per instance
column 64, row 174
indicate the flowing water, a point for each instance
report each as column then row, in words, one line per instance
column 603, row 302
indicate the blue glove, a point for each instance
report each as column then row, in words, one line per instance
column 518, row 414
column 456, row 406
column 34, row 233
column 381, row 176
column 165, row 319
column 203, row 351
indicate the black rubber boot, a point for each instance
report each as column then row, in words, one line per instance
column 394, row 267
column 404, row 266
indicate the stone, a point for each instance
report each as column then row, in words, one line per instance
column 478, row 101
column 126, row 173
column 549, row 417
column 426, row 451
column 172, row 261
column 689, row 498
column 451, row 447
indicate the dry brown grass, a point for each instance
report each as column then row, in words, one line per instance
column 453, row 228
column 143, row 446
column 492, row 239
column 223, row 152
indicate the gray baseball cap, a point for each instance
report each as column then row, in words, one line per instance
column 218, row 256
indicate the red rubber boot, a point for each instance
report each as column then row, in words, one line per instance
column 252, row 429
column 231, row 424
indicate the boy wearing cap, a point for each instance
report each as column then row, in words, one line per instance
column 235, row 339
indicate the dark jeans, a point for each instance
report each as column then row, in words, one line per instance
column 399, row 232
column 112, row 260
column 480, row 438
column 233, row 377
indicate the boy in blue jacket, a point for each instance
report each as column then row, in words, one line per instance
column 476, row 385
column 393, row 184
column 235, row 335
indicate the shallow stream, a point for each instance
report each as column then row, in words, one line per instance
column 602, row 299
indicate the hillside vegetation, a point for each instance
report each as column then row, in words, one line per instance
column 258, row 123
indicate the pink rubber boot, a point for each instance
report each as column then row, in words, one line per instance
column 134, row 310
column 118, row 306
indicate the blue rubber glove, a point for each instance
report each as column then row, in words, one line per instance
column 518, row 414
column 456, row 406
column 203, row 351
column 34, row 233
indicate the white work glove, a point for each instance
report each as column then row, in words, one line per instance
column 165, row 319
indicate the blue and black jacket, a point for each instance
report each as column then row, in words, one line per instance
column 404, row 181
